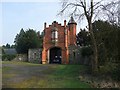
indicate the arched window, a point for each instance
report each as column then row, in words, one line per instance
column 55, row 34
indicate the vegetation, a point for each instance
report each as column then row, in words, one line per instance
column 100, row 39
column 107, row 40
column 88, row 10
column 26, row 40
column 6, row 57
column 86, row 51
column 83, row 38
column 7, row 46
column 107, row 37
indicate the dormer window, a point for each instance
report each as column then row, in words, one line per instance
column 54, row 34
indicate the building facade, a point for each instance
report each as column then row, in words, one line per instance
column 57, row 41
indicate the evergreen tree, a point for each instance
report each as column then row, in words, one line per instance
column 26, row 40
column 106, row 35
column 83, row 38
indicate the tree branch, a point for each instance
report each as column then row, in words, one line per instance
column 91, row 10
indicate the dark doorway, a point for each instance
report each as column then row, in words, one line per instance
column 55, row 55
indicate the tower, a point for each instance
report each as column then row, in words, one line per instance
column 72, row 31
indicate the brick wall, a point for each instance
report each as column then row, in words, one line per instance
column 66, row 37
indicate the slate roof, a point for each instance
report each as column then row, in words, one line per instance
column 10, row 51
column 72, row 21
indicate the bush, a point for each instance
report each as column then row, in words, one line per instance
column 108, row 68
column 8, row 57
column 112, row 70
column 116, row 73
column 86, row 51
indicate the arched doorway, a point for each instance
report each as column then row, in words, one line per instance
column 55, row 55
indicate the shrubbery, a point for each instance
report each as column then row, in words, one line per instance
column 86, row 51
column 116, row 73
column 6, row 57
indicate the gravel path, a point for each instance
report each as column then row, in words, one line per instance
column 18, row 73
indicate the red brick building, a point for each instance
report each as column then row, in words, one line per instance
column 57, row 40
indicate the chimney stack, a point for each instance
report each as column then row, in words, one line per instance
column 64, row 23
column 45, row 25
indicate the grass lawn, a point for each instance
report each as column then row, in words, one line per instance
column 41, row 76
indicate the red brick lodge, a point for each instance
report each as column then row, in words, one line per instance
column 57, row 40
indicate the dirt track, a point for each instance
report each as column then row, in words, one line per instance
column 17, row 73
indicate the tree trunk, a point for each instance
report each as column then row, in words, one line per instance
column 94, row 48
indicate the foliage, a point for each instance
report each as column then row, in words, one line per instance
column 116, row 73
column 88, row 10
column 86, row 51
column 106, row 35
column 3, row 52
column 83, row 38
column 27, row 39
column 7, row 46
column 107, row 38
column 6, row 57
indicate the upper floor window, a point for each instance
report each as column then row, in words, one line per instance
column 54, row 34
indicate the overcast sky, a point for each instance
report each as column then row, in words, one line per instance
column 17, row 14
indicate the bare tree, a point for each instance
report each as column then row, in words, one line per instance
column 90, row 10
column 111, row 11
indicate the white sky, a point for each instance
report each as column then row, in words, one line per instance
column 17, row 14
column 29, row 0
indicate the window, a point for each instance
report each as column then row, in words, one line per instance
column 54, row 35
